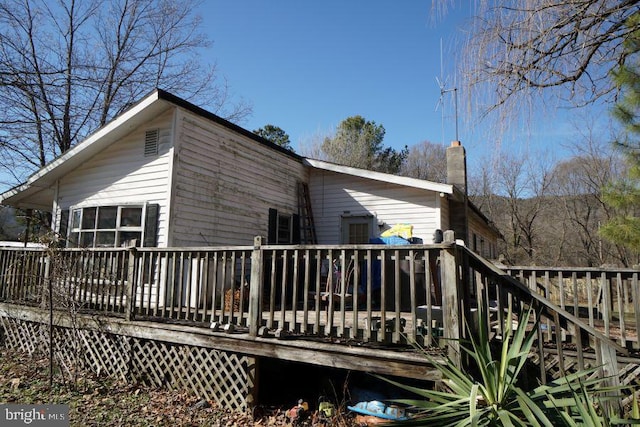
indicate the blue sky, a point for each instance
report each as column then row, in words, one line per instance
column 306, row 66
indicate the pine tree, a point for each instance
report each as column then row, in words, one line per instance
column 359, row 143
column 624, row 195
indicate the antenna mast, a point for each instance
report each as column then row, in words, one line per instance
column 442, row 84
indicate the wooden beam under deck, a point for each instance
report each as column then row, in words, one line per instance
column 409, row 364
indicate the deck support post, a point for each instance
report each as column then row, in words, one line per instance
column 255, row 287
column 252, row 381
column 130, row 287
column 451, row 294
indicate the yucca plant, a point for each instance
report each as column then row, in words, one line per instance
column 493, row 396
column 584, row 406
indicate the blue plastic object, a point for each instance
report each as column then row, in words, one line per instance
column 379, row 409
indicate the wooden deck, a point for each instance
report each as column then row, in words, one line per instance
column 370, row 357
column 261, row 301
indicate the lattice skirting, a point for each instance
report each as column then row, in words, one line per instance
column 211, row 374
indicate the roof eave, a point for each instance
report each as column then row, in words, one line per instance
column 43, row 180
column 380, row 176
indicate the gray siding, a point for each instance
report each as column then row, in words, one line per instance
column 333, row 194
column 482, row 239
column 225, row 183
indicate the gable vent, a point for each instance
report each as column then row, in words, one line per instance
column 151, row 138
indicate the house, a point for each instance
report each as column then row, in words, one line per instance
column 167, row 173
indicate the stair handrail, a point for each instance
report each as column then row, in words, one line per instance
column 544, row 302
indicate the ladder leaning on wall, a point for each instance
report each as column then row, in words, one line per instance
column 306, row 215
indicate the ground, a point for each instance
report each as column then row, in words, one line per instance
column 104, row 402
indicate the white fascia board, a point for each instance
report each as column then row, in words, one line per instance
column 49, row 173
column 379, row 176
column 12, row 192
column 99, row 134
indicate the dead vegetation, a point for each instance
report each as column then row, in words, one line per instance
column 95, row 401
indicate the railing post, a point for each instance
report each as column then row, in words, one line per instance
column 608, row 356
column 605, row 289
column 451, row 294
column 609, row 372
column 48, row 268
column 255, row 287
column 130, row 287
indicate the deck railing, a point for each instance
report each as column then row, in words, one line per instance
column 386, row 295
column 369, row 293
column 72, row 278
column 366, row 293
column 563, row 331
column 605, row 298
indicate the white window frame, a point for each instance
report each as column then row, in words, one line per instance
column 75, row 232
column 353, row 219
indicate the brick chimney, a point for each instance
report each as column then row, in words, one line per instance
column 457, row 176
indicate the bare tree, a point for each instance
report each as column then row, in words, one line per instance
column 69, row 66
column 311, row 146
column 549, row 213
column 578, row 185
column 515, row 195
column 516, row 48
column 580, row 210
column 426, row 161
column 483, row 187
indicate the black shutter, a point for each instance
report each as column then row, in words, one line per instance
column 295, row 232
column 272, row 233
column 63, row 228
column 151, row 226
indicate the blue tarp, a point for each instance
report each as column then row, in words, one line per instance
column 376, row 273
column 392, row 240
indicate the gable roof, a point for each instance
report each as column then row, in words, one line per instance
column 379, row 176
column 421, row 184
column 38, row 191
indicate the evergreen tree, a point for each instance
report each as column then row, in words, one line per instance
column 624, row 195
column 276, row 135
column 358, row 143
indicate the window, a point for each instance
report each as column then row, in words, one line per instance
column 284, row 229
column 356, row 229
column 106, row 226
column 358, row 233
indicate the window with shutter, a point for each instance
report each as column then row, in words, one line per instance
column 113, row 226
column 282, row 228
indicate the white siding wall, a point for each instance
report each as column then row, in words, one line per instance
column 333, row 193
column 122, row 175
column 225, row 183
